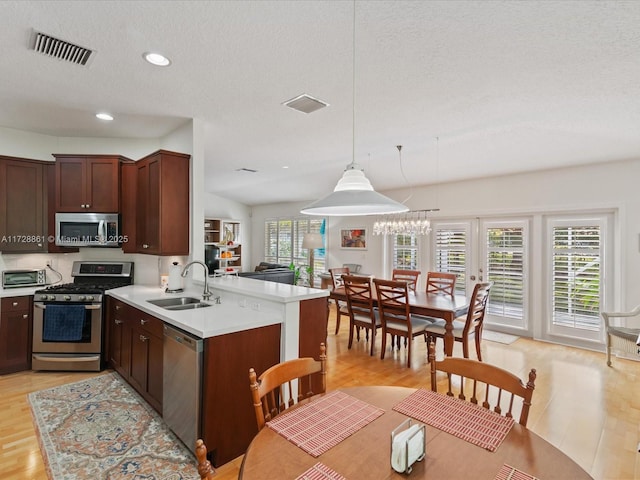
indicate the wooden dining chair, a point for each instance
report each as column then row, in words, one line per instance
column 272, row 392
column 396, row 319
column 471, row 324
column 336, row 280
column 409, row 276
column 205, row 470
column 483, row 377
column 625, row 337
column 441, row 283
column 360, row 303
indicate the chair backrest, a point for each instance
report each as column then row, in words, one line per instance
column 336, row 275
column 409, row 276
column 359, row 297
column 393, row 300
column 441, row 282
column 477, row 307
column 495, row 379
column 272, row 392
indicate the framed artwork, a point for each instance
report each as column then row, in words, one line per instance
column 353, row 238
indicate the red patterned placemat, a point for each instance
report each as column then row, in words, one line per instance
column 465, row 420
column 507, row 472
column 324, row 422
column 320, row 472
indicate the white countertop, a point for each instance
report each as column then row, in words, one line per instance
column 18, row 292
column 245, row 304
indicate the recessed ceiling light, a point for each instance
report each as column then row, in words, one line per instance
column 286, row 166
column 104, row 116
column 157, row 59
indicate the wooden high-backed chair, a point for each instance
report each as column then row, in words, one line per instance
column 622, row 337
column 273, row 393
column 409, row 276
column 396, row 319
column 336, row 280
column 475, row 372
column 361, row 310
column 463, row 327
column 441, row 282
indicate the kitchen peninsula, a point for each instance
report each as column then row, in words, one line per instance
column 255, row 324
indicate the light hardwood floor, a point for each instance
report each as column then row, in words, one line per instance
column 588, row 410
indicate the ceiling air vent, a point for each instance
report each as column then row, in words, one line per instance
column 305, row 103
column 60, row 49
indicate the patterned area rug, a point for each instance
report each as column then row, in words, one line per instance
column 102, row 429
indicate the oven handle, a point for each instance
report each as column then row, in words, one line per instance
column 47, row 358
column 42, row 306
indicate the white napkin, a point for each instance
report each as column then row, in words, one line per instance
column 399, row 448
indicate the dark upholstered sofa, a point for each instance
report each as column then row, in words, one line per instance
column 271, row 272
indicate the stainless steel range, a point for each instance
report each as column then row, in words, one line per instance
column 68, row 319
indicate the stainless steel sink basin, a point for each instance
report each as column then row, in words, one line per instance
column 189, row 306
column 179, row 303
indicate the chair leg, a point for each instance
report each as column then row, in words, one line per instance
column 478, row 336
column 408, row 351
column 465, row 347
column 337, row 317
column 351, row 328
column 384, row 344
column 608, row 350
column 373, row 341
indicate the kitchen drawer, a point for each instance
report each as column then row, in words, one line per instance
column 149, row 323
column 15, row 304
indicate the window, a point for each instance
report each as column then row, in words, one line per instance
column 505, row 265
column 405, row 252
column 576, row 267
column 451, row 253
column 283, row 241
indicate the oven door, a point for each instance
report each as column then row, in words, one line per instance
column 67, row 336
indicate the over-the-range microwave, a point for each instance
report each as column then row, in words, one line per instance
column 88, row 230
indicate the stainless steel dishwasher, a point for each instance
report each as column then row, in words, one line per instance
column 181, row 384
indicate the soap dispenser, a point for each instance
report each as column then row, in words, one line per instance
column 175, row 279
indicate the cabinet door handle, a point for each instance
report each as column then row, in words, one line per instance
column 82, row 206
column 143, row 338
column 15, row 304
column 144, row 245
column 118, row 307
column 118, row 322
column 142, row 321
column 87, row 205
column 25, row 316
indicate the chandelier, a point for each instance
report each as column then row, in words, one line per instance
column 414, row 222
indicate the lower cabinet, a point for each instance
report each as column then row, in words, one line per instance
column 15, row 334
column 135, row 349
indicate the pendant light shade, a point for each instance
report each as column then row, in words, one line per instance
column 353, row 196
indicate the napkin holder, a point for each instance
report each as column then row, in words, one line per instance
column 408, row 446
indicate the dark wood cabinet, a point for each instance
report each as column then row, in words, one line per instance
column 88, row 183
column 162, row 204
column 15, row 334
column 228, row 417
column 22, row 206
column 135, row 346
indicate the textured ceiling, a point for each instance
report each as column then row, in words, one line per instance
column 505, row 86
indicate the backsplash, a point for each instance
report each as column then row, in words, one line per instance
column 148, row 268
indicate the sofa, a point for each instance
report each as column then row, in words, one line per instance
column 271, row 272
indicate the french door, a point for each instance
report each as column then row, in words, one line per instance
column 479, row 250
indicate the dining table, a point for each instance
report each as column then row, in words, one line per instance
column 446, row 307
column 365, row 453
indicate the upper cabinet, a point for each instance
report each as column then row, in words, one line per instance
column 23, row 223
column 162, row 204
column 88, row 183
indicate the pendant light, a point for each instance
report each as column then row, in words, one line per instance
column 354, row 194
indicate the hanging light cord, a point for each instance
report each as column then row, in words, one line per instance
column 353, row 91
column 399, row 147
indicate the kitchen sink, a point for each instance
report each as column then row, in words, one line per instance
column 179, row 303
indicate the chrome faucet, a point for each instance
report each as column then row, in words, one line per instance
column 206, row 294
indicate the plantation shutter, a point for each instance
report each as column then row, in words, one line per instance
column 451, row 254
column 576, row 274
column 405, row 252
column 505, row 268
